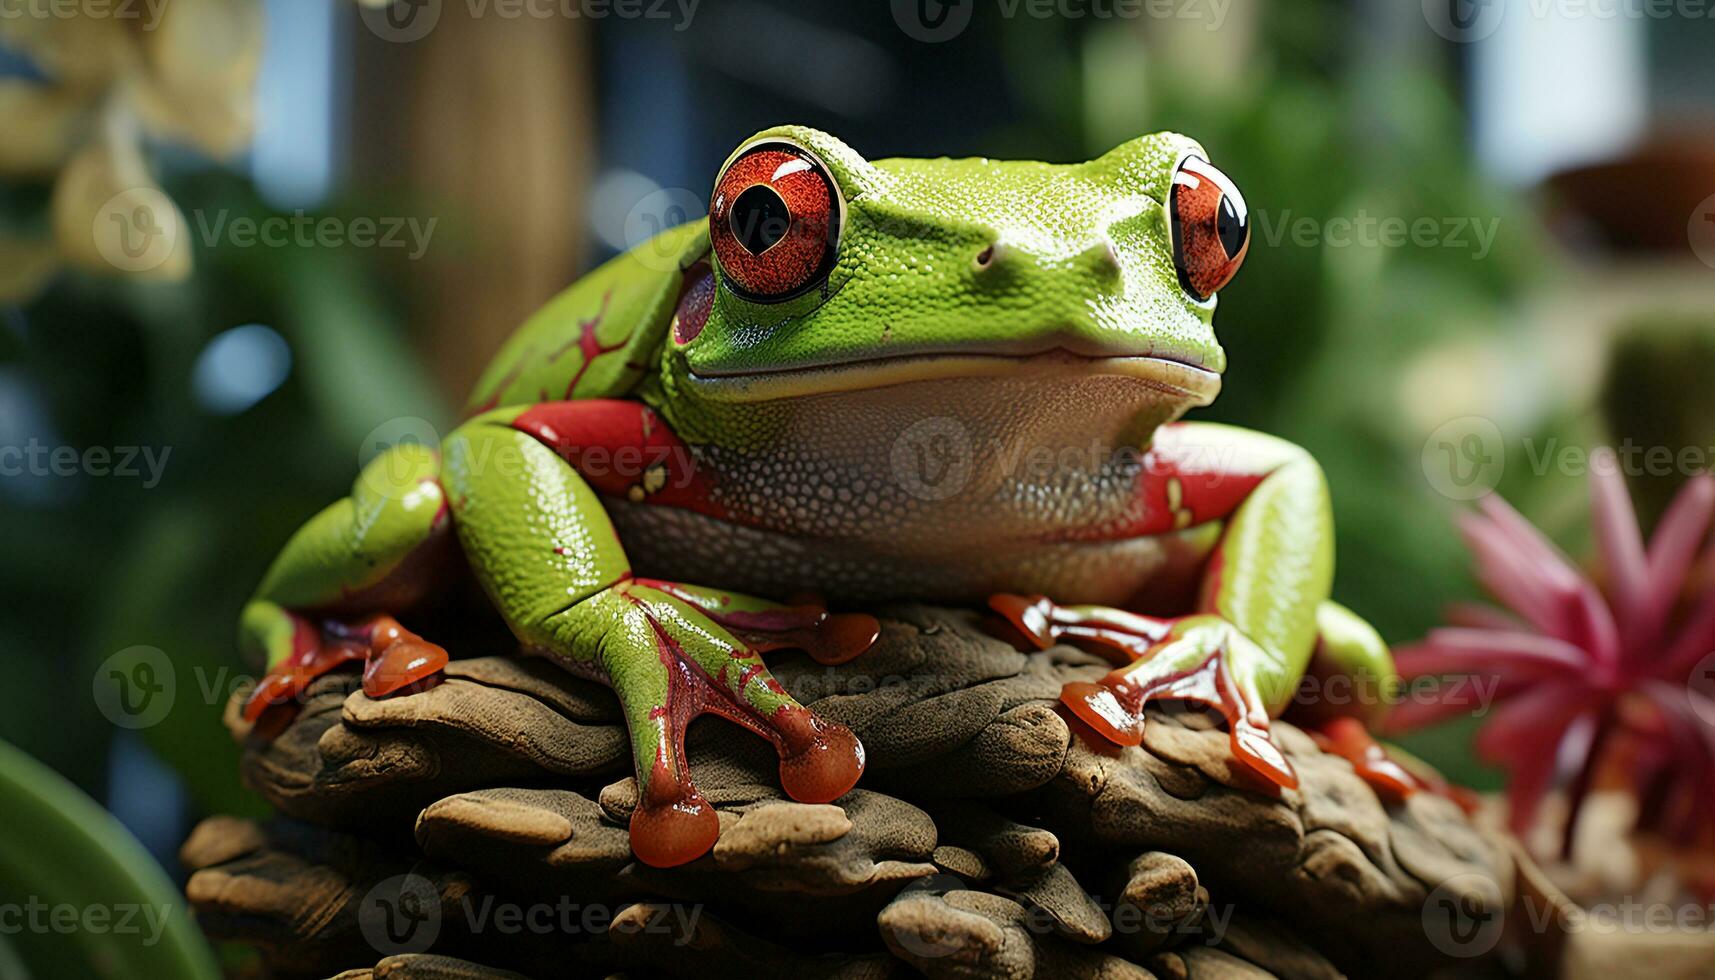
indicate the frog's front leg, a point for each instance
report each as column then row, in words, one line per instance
column 1247, row 645
column 325, row 601
column 523, row 489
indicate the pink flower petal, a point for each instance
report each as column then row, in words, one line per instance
column 1477, row 615
column 1527, row 572
column 1695, row 640
column 1619, row 544
column 1527, row 721
column 1693, row 743
column 1679, row 534
column 1457, row 650
column 1511, row 577
column 1527, row 736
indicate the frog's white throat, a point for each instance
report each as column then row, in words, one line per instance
column 1003, row 434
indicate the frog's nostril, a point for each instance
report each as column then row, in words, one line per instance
column 1102, row 259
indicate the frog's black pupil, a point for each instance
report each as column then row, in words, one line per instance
column 759, row 218
column 1230, row 227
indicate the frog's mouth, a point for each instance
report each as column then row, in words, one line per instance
column 1176, row 380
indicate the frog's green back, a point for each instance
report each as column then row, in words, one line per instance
column 600, row 336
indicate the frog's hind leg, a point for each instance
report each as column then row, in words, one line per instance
column 1346, row 692
column 829, row 638
column 325, row 600
column 540, row 542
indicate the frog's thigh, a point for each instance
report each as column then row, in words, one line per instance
column 379, row 549
column 1351, row 671
column 534, row 531
column 359, row 550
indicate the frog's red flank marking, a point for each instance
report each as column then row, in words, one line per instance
column 624, row 450
column 1182, row 483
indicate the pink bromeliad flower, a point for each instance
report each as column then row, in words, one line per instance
column 1589, row 680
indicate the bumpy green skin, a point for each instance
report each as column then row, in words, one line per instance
column 1082, row 261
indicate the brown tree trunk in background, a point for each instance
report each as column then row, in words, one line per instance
column 486, row 124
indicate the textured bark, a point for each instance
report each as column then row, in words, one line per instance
column 987, row 838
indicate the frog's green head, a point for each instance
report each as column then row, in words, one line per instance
column 834, row 273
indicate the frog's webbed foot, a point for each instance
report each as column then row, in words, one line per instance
column 829, row 638
column 1200, row 658
column 1391, row 772
column 673, row 652
column 394, row 659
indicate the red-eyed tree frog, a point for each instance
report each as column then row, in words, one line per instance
column 956, row 381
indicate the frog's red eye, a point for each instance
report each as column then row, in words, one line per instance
column 1211, row 227
column 774, row 221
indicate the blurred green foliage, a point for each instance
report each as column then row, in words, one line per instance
column 95, row 565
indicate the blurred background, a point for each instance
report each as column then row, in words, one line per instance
column 1483, row 242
